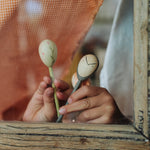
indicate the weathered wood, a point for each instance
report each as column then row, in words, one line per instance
column 141, row 49
column 149, row 68
column 41, row 136
column 24, row 136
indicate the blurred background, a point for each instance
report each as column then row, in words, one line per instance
column 98, row 36
column 25, row 23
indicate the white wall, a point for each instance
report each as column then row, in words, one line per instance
column 102, row 24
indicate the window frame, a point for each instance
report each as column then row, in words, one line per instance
column 23, row 135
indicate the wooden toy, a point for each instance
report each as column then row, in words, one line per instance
column 74, row 81
column 86, row 67
column 48, row 55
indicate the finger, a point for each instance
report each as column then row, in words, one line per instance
column 49, row 104
column 62, row 96
column 101, row 120
column 85, row 91
column 90, row 114
column 47, row 79
column 48, row 96
column 81, row 105
column 66, row 119
column 107, row 109
column 63, row 89
column 62, row 85
column 41, row 88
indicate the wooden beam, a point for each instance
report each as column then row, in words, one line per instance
column 141, row 105
column 19, row 135
column 41, row 136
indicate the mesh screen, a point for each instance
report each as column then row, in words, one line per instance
column 23, row 25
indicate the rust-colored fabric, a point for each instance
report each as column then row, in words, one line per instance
column 23, row 25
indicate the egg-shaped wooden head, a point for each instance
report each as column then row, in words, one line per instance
column 87, row 66
column 48, row 52
column 75, row 79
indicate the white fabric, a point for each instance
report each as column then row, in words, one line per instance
column 117, row 73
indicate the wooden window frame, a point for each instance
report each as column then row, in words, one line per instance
column 27, row 136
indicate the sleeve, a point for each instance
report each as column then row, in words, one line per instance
column 117, row 73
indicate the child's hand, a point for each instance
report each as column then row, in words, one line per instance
column 41, row 107
column 63, row 91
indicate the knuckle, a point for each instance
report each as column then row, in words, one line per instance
column 86, row 103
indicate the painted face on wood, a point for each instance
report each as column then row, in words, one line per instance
column 87, row 65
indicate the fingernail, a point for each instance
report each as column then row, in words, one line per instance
column 69, row 100
column 62, row 111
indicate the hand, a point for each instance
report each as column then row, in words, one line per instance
column 95, row 104
column 42, row 106
column 63, row 91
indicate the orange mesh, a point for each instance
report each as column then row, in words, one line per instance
column 23, row 25
column 7, row 8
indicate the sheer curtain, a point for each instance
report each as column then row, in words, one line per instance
column 23, row 25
